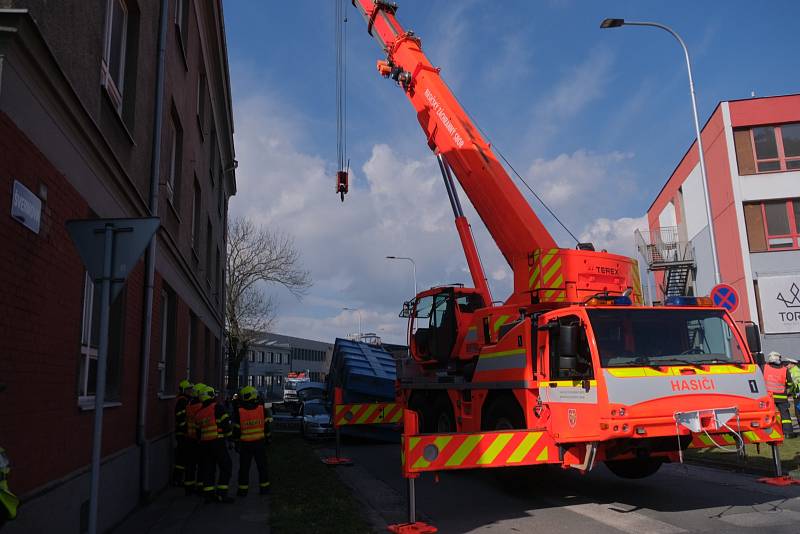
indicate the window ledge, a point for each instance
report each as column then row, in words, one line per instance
column 173, row 208
column 118, row 116
column 86, row 404
column 166, row 396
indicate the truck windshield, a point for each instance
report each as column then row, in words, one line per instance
column 658, row 337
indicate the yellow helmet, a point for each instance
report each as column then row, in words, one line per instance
column 248, row 393
column 183, row 385
column 197, row 391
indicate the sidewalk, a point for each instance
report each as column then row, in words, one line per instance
column 173, row 512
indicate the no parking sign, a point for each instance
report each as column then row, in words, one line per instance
column 725, row 296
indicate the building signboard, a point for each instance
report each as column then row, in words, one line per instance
column 26, row 207
column 780, row 303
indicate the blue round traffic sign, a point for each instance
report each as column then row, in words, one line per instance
column 725, row 296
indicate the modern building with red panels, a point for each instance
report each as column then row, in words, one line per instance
column 79, row 116
column 752, row 152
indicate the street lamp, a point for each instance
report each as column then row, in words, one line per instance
column 616, row 23
column 413, row 266
column 359, row 319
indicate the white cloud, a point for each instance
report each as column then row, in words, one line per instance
column 584, row 185
column 580, row 86
column 397, row 206
column 614, row 235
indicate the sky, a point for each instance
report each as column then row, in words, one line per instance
column 595, row 120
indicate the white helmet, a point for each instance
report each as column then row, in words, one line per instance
column 774, row 357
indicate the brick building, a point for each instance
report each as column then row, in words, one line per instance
column 86, row 131
column 752, row 153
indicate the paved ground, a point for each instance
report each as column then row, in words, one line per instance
column 172, row 512
column 677, row 499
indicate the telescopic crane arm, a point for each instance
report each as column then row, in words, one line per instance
column 513, row 225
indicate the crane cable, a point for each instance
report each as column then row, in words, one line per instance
column 496, row 149
column 340, row 45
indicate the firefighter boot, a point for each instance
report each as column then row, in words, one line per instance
column 242, row 491
column 263, row 488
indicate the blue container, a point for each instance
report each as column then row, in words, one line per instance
column 366, row 373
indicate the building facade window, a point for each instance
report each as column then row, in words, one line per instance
column 766, row 149
column 166, row 357
column 218, row 276
column 773, row 225
column 196, row 218
column 251, row 357
column 90, row 342
column 175, row 158
column 209, row 252
column 191, row 345
column 113, row 64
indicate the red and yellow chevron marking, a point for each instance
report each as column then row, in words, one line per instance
column 636, row 294
column 546, row 275
column 755, row 435
column 430, row 452
column 373, row 413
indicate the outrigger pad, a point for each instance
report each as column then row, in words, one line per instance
column 335, row 460
column 785, row 480
column 413, row 528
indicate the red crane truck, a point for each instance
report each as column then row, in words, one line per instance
column 573, row 351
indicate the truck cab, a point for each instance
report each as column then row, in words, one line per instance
column 439, row 325
column 638, row 380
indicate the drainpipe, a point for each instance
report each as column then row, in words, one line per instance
column 150, row 257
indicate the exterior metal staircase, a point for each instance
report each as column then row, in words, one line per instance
column 663, row 251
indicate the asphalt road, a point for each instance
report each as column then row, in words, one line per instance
column 679, row 498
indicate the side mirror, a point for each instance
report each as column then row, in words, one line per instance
column 753, row 335
column 568, row 341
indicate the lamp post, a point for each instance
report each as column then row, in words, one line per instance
column 358, row 311
column 616, row 23
column 413, row 266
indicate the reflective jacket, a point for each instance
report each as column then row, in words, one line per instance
column 775, row 376
column 181, row 421
column 191, row 418
column 212, row 421
column 794, row 380
column 251, row 422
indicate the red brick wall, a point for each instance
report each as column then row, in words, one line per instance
column 41, row 282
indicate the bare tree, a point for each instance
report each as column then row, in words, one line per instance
column 257, row 256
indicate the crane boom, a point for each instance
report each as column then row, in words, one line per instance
column 512, row 223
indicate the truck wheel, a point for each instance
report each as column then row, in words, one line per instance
column 444, row 421
column 633, row 469
column 503, row 414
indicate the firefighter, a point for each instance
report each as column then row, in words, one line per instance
column 214, row 426
column 777, row 377
column 181, row 428
column 192, row 481
column 794, row 384
column 251, row 423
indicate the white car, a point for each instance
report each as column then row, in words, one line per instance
column 316, row 420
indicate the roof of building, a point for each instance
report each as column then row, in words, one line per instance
column 297, row 342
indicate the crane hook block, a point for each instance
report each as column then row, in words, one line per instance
column 342, row 183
